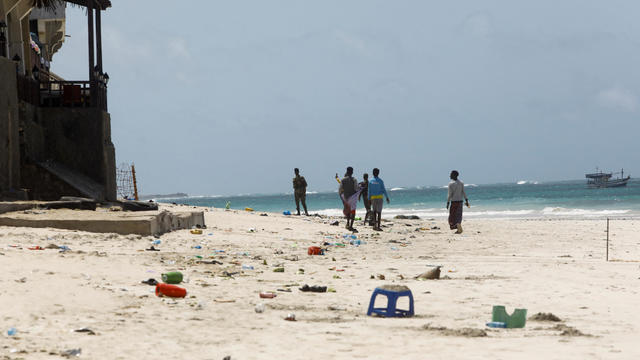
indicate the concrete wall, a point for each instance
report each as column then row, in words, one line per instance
column 80, row 139
column 9, row 146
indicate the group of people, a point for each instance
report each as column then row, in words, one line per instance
column 373, row 193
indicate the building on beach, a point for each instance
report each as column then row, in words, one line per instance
column 55, row 134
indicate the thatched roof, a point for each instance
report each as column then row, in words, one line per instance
column 51, row 4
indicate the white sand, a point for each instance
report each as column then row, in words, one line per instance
column 544, row 266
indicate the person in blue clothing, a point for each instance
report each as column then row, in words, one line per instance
column 376, row 192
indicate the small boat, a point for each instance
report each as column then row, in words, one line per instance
column 600, row 179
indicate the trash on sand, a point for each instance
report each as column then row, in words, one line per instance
column 278, row 269
column 151, row 281
column 497, row 324
column 247, row 267
column 36, row 248
column 198, row 247
column 156, row 242
column 248, row 209
column 196, row 231
column 170, row 290
column 173, row 277
column 259, row 308
column 381, row 277
column 71, row 352
column 315, row 250
column 291, row 317
column 12, row 331
column 335, row 223
column 212, row 262
column 267, row 295
column 286, row 212
column 152, row 249
column 64, row 248
column 85, row 330
column 318, row 289
column 516, row 320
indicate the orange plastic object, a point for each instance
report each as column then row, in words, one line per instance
column 170, row 290
column 314, row 250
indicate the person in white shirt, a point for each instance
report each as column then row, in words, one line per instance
column 454, row 202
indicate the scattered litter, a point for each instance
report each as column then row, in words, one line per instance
column 335, row 223
column 497, row 324
column 248, row 209
column 315, row 250
column 286, row 212
column 197, row 247
column 152, row 249
column 318, row 289
column 247, row 267
column 151, row 281
column 291, row 317
column 21, row 280
column 156, row 242
column 12, row 331
column 85, row 330
column 71, row 352
column 196, row 231
column 259, row 308
column 212, row 262
column 36, row 248
column 173, row 277
column 267, row 295
column 223, row 301
column 64, row 248
column 170, row 290
column 278, row 269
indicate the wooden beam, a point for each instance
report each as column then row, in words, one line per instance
column 101, row 4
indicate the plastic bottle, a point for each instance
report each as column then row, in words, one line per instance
column 497, row 324
column 170, row 290
column 156, row 242
column 197, row 247
column 174, row 277
column 12, row 331
column 247, row 267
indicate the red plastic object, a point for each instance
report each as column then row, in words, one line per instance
column 267, row 295
column 170, row 290
column 314, row 250
column 36, row 248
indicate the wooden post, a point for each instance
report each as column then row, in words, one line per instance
column 607, row 239
column 91, row 51
column 99, row 38
column 135, row 182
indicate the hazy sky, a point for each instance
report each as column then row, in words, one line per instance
column 227, row 97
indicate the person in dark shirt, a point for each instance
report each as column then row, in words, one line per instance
column 364, row 185
column 300, row 191
column 349, row 192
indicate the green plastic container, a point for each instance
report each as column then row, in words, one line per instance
column 516, row 320
column 174, row 277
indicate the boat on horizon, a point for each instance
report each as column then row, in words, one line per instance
column 601, row 179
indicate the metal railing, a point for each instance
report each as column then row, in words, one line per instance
column 65, row 93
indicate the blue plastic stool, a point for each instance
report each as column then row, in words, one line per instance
column 392, row 292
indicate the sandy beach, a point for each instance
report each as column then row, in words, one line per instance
column 548, row 266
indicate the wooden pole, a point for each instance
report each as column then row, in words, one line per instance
column 99, row 38
column 135, row 183
column 91, row 51
column 607, row 239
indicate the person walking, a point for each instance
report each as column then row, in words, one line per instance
column 349, row 192
column 376, row 192
column 454, row 202
column 300, row 191
column 364, row 185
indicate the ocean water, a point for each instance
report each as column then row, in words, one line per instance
column 524, row 199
